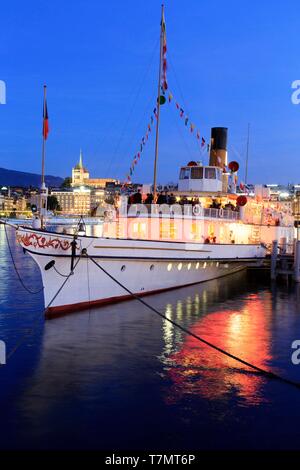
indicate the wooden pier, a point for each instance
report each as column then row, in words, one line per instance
column 285, row 260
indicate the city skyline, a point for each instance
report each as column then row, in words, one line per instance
column 101, row 90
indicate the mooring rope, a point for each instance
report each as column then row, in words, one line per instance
column 266, row 373
column 16, row 269
column 35, row 323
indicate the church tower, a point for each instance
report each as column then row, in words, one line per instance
column 79, row 173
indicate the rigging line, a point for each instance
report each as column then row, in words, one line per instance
column 60, row 274
column 152, row 99
column 183, row 137
column 235, row 151
column 180, row 89
column 36, row 322
column 266, row 373
column 178, row 84
column 132, row 108
column 16, row 269
column 88, row 283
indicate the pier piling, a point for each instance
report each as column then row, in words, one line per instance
column 297, row 262
column 285, row 260
column 274, row 259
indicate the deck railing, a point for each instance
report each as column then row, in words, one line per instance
column 181, row 211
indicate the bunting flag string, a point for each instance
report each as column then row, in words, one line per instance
column 164, row 83
column 189, row 124
column 136, row 158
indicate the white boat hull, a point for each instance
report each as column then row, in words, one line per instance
column 142, row 266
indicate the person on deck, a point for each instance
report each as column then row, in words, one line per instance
column 149, row 199
column 162, row 199
column 172, row 199
column 137, row 197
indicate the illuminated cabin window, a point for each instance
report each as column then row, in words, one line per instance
column 195, row 231
column 179, row 267
column 169, row 266
column 167, row 229
column 140, row 229
column 211, row 230
column 204, row 265
column 189, row 266
column 217, row 264
column 173, row 230
column 222, row 235
column 197, row 265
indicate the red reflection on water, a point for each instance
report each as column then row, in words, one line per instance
column 197, row 369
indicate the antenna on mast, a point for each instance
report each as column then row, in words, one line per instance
column 247, row 154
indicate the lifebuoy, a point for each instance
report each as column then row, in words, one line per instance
column 197, row 209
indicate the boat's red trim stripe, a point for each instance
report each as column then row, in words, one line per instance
column 53, row 312
column 148, row 258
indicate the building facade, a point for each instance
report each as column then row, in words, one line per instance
column 81, row 177
column 74, row 202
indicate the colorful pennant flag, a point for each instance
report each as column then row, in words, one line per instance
column 164, row 83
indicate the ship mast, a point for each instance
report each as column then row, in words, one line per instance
column 44, row 191
column 162, row 26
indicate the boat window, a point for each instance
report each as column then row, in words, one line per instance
column 185, row 173
column 210, row 173
column 219, row 174
column 197, row 173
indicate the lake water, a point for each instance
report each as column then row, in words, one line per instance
column 120, row 378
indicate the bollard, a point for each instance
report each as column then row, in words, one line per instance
column 274, row 259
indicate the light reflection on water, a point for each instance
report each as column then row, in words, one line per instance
column 195, row 370
column 119, row 377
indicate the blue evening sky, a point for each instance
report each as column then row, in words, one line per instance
column 230, row 63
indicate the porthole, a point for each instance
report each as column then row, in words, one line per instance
column 179, row 267
column 169, row 266
column 123, row 267
column 151, row 267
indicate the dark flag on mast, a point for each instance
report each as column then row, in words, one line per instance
column 45, row 120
